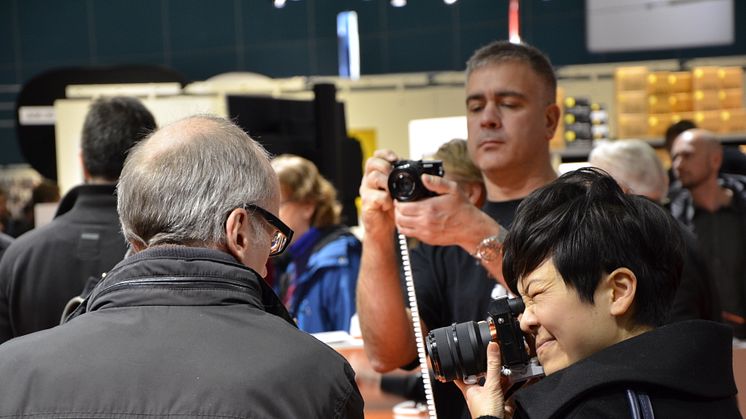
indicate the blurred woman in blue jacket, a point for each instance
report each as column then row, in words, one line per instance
column 317, row 275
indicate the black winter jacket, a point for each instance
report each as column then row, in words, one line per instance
column 686, row 368
column 177, row 332
column 44, row 268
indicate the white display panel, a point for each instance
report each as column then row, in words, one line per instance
column 70, row 114
column 636, row 25
column 426, row 135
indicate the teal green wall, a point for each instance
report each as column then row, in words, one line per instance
column 202, row 38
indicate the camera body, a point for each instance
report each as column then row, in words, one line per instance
column 459, row 351
column 405, row 183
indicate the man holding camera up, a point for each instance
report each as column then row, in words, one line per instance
column 511, row 116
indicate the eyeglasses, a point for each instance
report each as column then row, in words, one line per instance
column 282, row 234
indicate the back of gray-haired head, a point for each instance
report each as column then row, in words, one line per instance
column 112, row 126
column 634, row 164
column 179, row 186
column 501, row 51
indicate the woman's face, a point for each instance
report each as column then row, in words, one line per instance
column 297, row 215
column 566, row 329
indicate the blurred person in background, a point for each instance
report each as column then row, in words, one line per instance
column 713, row 206
column 317, row 277
column 734, row 161
column 458, row 167
column 46, row 191
column 45, row 268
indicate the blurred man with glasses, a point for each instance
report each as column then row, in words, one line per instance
column 185, row 326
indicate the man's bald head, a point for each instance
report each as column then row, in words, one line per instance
column 701, row 136
column 179, row 185
column 696, row 156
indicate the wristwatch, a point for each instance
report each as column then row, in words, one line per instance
column 491, row 247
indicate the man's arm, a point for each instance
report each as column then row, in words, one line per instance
column 384, row 320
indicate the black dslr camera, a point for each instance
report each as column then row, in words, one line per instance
column 405, row 183
column 459, row 351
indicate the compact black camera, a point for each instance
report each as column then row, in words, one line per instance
column 459, row 351
column 405, row 183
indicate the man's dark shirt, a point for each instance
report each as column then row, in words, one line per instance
column 722, row 240
column 453, row 287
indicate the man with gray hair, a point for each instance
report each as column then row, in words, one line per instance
column 634, row 165
column 638, row 170
column 185, row 326
column 713, row 206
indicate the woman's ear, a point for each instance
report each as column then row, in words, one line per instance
column 622, row 283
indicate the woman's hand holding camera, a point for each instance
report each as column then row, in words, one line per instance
column 486, row 400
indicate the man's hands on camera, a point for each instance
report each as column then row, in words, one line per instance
column 377, row 209
column 487, row 399
column 446, row 219
column 435, row 220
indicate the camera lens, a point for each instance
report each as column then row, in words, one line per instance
column 404, row 185
column 459, row 350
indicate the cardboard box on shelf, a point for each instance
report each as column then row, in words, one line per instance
column 706, row 100
column 631, row 78
column 632, row 101
column 709, row 120
column 681, row 102
column 659, row 103
column 658, row 82
column 632, row 125
column 680, row 81
column 705, row 77
column 730, row 77
column 733, row 120
column 658, row 123
column 678, row 116
column 730, row 98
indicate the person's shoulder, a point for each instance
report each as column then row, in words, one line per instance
column 733, row 181
column 36, row 348
column 5, row 241
column 678, row 196
column 40, row 237
column 339, row 242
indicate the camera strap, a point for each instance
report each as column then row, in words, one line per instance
column 416, row 325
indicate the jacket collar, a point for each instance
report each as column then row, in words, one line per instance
column 691, row 357
column 95, row 194
column 201, row 276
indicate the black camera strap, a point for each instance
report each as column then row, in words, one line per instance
column 416, row 325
